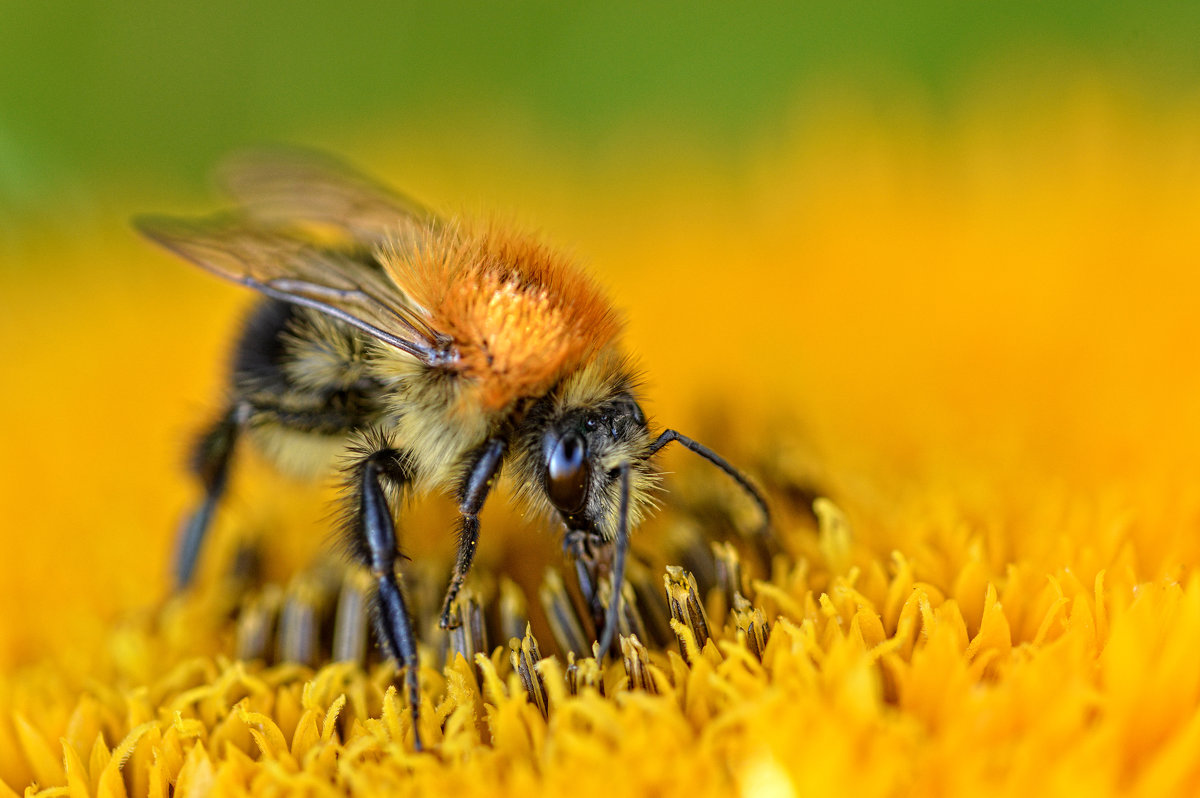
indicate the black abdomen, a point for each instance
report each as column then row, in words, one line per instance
column 258, row 359
column 295, row 370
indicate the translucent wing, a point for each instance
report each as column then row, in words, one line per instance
column 298, row 186
column 295, row 271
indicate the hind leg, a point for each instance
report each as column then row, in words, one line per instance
column 275, row 338
column 210, row 462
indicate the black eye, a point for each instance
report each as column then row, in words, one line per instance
column 567, row 474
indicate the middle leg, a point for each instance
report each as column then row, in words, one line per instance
column 371, row 533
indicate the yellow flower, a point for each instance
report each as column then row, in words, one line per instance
column 965, row 374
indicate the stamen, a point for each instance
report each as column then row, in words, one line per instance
column 683, row 597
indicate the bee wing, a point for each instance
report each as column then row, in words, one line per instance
column 290, row 186
column 294, row 271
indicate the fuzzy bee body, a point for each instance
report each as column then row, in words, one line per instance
column 300, row 426
column 306, row 389
column 427, row 355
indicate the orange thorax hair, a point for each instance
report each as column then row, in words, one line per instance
column 521, row 315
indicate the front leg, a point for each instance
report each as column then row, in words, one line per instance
column 593, row 556
column 372, row 534
column 472, row 493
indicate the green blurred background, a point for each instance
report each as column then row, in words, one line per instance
column 97, row 95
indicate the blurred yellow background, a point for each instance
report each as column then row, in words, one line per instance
column 947, row 255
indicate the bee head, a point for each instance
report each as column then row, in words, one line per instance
column 580, row 454
column 590, row 462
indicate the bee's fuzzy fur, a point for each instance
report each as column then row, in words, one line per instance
column 318, row 388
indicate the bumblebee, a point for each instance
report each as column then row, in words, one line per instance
column 428, row 354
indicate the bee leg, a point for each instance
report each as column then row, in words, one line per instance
column 618, row 570
column 210, row 462
column 472, row 493
column 592, row 556
column 586, row 572
column 377, row 546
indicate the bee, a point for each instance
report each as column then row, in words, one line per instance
column 429, row 354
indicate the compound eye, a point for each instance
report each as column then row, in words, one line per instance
column 567, row 474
